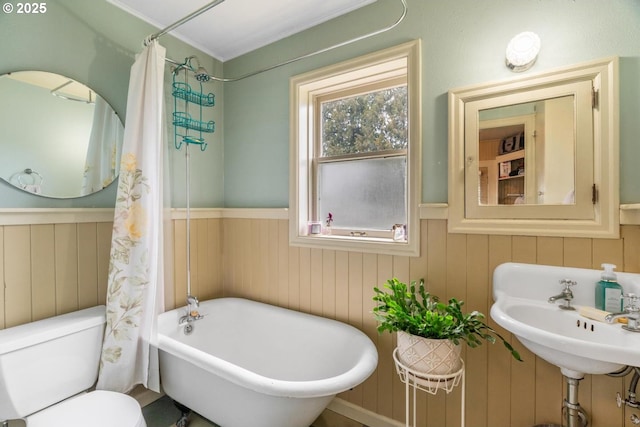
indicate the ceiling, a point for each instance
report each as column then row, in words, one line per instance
column 500, row 132
column 236, row 27
column 58, row 85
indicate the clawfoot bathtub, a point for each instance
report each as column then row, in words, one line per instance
column 252, row 364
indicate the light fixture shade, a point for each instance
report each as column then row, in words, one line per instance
column 522, row 51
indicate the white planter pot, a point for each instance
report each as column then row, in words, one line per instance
column 428, row 356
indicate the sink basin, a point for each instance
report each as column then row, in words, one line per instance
column 576, row 344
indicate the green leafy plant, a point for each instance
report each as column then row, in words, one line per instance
column 415, row 311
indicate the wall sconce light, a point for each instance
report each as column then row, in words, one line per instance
column 522, row 51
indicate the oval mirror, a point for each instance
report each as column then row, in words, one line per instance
column 59, row 138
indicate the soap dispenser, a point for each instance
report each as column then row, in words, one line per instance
column 608, row 291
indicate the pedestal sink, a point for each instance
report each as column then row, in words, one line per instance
column 576, row 344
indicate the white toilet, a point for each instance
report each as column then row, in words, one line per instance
column 46, row 368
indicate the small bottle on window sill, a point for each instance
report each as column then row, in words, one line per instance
column 399, row 232
column 327, row 228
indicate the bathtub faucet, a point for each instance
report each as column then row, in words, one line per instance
column 192, row 311
column 192, row 302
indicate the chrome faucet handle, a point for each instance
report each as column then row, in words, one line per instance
column 568, row 283
column 565, row 295
column 192, row 300
column 631, row 312
column 192, row 309
column 632, row 302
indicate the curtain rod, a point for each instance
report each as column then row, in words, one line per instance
column 184, row 20
column 289, row 61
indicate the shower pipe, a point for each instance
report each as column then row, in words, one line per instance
column 289, row 61
column 192, row 301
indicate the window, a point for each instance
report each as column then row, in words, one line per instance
column 355, row 154
column 361, row 161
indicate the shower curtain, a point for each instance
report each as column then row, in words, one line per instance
column 135, row 293
column 105, row 145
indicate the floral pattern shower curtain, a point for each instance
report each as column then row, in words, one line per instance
column 135, row 294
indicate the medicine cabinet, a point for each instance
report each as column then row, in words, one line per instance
column 537, row 155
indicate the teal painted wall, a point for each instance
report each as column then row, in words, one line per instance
column 247, row 162
column 463, row 43
column 95, row 43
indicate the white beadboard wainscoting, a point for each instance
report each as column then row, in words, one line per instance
column 56, row 261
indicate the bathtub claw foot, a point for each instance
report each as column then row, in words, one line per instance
column 183, row 421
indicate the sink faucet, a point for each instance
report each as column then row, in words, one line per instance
column 631, row 312
column 192, row 311
column 565, row 296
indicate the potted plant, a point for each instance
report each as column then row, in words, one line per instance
column 429, row 331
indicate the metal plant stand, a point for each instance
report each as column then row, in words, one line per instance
column 415, row 381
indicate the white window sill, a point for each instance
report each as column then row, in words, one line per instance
column 376, row 245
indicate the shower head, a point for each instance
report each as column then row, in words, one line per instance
column 202, row 75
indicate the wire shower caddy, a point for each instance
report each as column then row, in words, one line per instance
column 189, row 129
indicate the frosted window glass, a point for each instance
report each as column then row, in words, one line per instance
column 364, row 194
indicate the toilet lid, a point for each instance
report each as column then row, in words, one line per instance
column 96, row 409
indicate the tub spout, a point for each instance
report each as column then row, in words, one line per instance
column 192, row 311
column 190, row 317
column 192, row 302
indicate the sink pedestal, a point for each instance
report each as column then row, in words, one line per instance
column 572, row 413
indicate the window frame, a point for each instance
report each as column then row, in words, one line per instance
column 402, row 61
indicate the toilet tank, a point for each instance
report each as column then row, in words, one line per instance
column 44, row 362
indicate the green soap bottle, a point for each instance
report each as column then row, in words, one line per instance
column 608, row 291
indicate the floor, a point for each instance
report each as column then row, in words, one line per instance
column 163, row 413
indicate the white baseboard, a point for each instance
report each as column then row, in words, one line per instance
column 361, row 415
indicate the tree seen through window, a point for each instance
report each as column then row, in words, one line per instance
column 375, row 121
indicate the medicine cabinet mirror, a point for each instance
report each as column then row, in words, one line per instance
column 58, row 137
column 537, row 155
